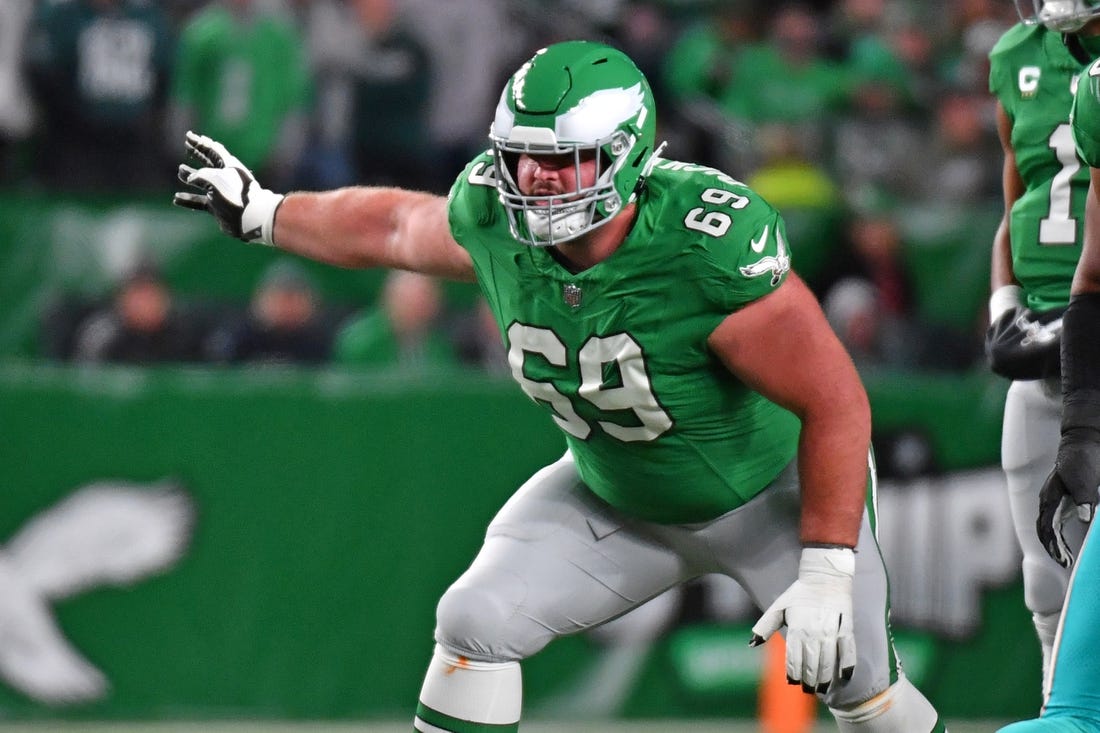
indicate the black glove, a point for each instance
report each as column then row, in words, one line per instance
column 1023, row 344
column 1071, row 486
column 227, row 189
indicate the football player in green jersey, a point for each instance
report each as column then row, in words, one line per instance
column 712, row 420
column 1072, row 701
column 1033, row 70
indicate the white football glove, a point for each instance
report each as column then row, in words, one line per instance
column 817, row 610
column 228, row 190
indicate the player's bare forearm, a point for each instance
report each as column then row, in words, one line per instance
column 361, row 227
column 833, row 445
column 1001, row 262
column 782, row 346
column 1012, row 186
column 832, row 454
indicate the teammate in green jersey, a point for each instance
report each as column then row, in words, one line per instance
column 1033, row 70
column 1072, row 701
column 713, row 421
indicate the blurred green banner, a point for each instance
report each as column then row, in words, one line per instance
column 194, row 543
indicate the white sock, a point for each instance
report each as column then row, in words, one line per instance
column 900, row 709
column 480, row 692
column 1046, row 626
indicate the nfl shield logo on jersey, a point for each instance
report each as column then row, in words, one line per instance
column 572, row 295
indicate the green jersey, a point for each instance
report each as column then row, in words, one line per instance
column 102, row 67
column 1033, row 75
column 1085, row 116
column 658, row 427
column 242, row 79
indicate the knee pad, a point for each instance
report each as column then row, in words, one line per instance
column 900, row 709
column 1045, row 585
column 483, row 623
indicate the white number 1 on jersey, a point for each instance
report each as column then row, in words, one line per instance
column 1059, row 227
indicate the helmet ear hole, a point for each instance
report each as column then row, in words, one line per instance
column 605, row 160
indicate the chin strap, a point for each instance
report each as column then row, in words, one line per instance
column 1076, row 48
column 646, row 170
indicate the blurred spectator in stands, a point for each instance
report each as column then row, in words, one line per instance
column 804, row 191
column 877, row 141
column 16, row 107
column 697, row 71
column 974, row 27
column 594, row 17
column 873, row 252
column 955, row 168
column 473, row 49
column 704, row 57
column 852, row 20
column 402, row 330
column 873, row 336
column 99, row 70
column 143, row 324
column 884, row 40
column 789, row 79
column 372, row 79
column 285, row 323
column 180, row 10
column 871, row 273
column 914, row 44
column 646, row 32
column 477, row 340
column 242, row 78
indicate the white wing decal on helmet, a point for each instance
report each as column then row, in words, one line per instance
column 599, row 114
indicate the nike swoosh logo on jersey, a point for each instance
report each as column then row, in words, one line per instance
column 777, row 265
column 758, row 244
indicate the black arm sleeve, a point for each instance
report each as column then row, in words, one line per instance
column 1081, row 363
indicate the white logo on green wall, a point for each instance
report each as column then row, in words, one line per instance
column 109, row 533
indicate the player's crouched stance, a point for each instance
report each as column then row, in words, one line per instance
column 649, row 304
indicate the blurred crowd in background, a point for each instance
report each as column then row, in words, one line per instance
column 850, row 116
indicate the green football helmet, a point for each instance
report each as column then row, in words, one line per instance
column 1063, row 16
column 576, row 98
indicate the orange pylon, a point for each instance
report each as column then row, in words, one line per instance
column 783, row 708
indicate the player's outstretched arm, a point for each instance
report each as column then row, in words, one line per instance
column 357, row 227
column 782, row 346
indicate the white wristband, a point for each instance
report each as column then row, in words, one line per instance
column 836, row 562
column 260, row 213
column 1004, row 299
